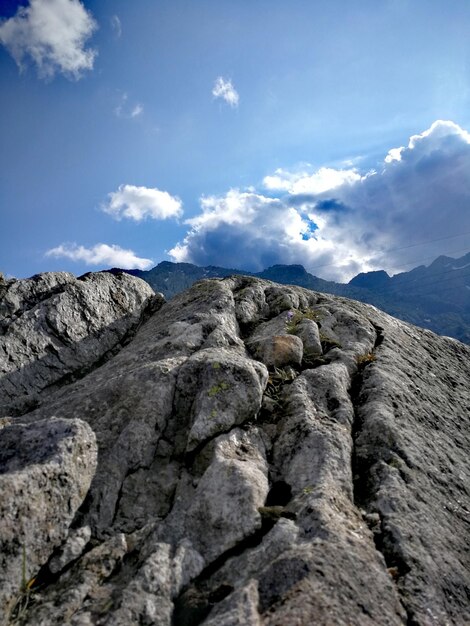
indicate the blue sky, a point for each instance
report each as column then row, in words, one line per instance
column 329, row 133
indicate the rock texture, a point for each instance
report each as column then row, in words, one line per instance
column 45, row 472
column 267, row 455
column 55, row 327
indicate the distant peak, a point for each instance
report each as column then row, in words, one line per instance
column 293, row 269
column 370, row 280
column 442, row 260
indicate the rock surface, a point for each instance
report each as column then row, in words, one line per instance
column 267, row 455
column 45, row 472
column 55, row 327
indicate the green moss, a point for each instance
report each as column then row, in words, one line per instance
column 310, row 314
column 215, row 389
column 395, row 462
column 273, row 513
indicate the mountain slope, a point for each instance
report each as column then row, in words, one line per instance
column 252, row 454
column 436, row 297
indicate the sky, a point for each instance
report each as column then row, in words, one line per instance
column 239, row 133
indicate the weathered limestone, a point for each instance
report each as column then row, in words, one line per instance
column 266, row 456
column 45, row 472
column 55, row 327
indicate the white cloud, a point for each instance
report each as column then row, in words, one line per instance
column 442, row 133
column 139, row 203
column 100, row 254
column 324, row 179
column 394, row 155
column 137, row 110
column 251, row 231
column 126, row 110
column 340, row 222
column 116, row 26
column 225, row 90
column 53, row 34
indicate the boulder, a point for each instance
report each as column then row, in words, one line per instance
column 274, row 346
column 45, row 471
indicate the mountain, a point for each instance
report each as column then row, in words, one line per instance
column 246, row 453
column 435, row 297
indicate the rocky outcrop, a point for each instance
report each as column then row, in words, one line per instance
column 55, row 327
column 267, row 455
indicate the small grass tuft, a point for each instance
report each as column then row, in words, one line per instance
column 365, row 359
column 295, row 317
column 327, row 343
column 24, row 598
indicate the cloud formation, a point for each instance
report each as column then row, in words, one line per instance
column 101, row 254
column 224, row 89
column 137, row 110
column 139, row 203
column 126, row 110
column 252, row 231
column 324, row 179
column 116, row 26
column 340, row 222
column 52, row 33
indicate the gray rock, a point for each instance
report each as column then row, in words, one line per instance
column 54, row 328
column 227, row 497
column 224, row 389
column 45, row 472
column 274, row 346
column 334, row 491
column 308, row 332
column 240, row 608
column 71, row 549
column 412, row 468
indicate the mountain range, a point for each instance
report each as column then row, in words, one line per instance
column 436, row 297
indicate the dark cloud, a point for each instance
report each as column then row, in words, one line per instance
column 414, row 206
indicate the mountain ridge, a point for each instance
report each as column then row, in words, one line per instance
column 436, row 297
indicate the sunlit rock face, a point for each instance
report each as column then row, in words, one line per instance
column 247, row 453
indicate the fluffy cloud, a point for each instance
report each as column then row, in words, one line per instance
column 252, row 231
column 53, row 34
column 324, row 179
column 224, row 89
column 443, row 136
column 417, row 199
column 139, row 203
column 100, row 254
column 339, row 222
